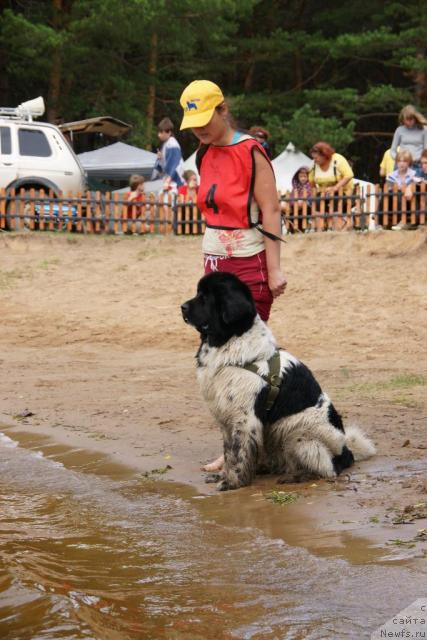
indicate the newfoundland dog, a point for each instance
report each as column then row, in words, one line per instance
column 271, row 410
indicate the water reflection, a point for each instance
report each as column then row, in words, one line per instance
column 88, row 549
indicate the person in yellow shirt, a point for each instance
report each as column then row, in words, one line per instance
column 331, row 171
column 387, row 163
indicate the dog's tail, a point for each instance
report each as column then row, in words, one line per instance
column 360, row 445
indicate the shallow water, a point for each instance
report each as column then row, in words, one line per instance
column 90, row 549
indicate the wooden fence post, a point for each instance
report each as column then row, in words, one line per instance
column 395, row 206
column 51, row 220
column 330, row 219
column 116, row 211
column 32, row 209
column 179, row 215
column 340, row 222
column 97, row 211
column 321, row 218
column 304, row 211
column 108, row 224
column 422, row 204
column 194, row 217
column 406, row 208
column 79, row 224
column 153, row 212
column 60, row 217
column 21, row 209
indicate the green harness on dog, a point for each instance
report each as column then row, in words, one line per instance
column 273, row 377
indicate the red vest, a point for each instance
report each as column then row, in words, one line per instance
column 227, row 178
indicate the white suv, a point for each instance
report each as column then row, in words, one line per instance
column 36, row 155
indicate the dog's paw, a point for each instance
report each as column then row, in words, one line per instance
column 213, row 477
column 225, row 485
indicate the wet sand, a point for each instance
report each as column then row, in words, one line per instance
column 93, row 345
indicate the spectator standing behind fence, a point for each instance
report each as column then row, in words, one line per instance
column 411, row 135
column 331, row 171
column 421, row 171
column 404, row 176
column 300, row 195
column 189, row 189
column 261, row 135
column 169, row 163
column 236, row 177
column 387, row 164
column 135, row 197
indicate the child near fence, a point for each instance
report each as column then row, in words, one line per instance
column 190, row 188
column 299, row 202
column 136, row 200
column 404, row 177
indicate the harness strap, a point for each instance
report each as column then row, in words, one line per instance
column 273, row 378
column 272, row 236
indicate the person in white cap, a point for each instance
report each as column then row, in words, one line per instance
column 237, row 197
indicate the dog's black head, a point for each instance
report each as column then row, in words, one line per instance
column 222, row 308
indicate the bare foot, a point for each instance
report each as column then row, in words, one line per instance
column 216, row 465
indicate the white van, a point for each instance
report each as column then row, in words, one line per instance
column 36, row 155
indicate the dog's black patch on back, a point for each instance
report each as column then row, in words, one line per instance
column 335, row 418
column 298, row 391
column 344, row 460
column 260, row 404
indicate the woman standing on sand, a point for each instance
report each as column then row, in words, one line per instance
column 237, row 197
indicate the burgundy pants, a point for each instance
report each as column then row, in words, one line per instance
column 252, row 271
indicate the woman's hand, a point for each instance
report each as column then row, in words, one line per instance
column 408, row 193
column 276, row 282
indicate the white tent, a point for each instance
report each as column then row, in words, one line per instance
column 118, row 161
column 286, row 164
column 190, row 164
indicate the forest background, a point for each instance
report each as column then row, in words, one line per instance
column 306, row 70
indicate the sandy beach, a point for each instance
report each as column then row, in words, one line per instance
column 94, row 347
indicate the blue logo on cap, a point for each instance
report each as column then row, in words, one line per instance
column 191, row 104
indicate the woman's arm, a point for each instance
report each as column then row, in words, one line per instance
column 265, row 194
column 344, row 173
column 395, row 143
column 339, row 185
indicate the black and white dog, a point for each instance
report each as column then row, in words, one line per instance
column 282, row 419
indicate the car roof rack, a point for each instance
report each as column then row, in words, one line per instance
column 25, row 111
column 14, row 114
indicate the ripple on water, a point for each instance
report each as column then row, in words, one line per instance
column 88, row 556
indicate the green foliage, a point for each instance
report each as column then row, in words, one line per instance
column 307, row 126
column 384, row 97
column 305, row 70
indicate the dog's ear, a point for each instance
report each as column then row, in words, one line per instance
column 237, row 308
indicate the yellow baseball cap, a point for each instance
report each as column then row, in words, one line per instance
column 199, row 100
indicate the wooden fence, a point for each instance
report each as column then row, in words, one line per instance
column 94, row 212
